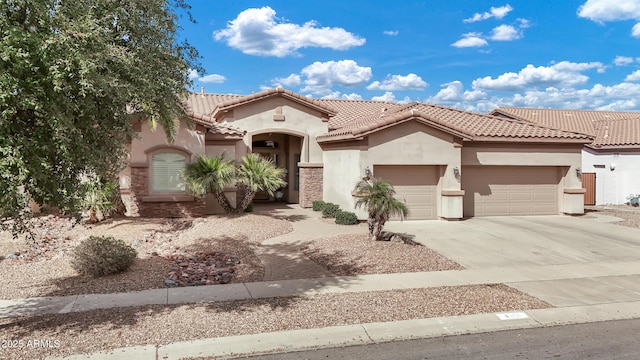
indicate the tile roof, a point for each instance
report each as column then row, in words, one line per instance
column 617, row 133
column 621, row 127
column 467, row 125
column 350, row 110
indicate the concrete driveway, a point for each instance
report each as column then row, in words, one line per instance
column 485, row 242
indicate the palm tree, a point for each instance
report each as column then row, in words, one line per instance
column 377, row 197
column 254, row 174
column 210, row 175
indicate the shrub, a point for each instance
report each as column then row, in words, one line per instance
column 346, row 218
column 249, row 208
column 100, row 256
column 318, row 205
column 329, row 210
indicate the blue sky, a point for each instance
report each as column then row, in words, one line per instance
column 473, row 55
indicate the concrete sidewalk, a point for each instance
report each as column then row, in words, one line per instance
column 560, row 285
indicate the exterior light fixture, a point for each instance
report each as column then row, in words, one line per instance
column 367, row 172
column 578, row 172
column 456, row 171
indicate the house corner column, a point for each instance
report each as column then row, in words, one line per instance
column 310, row 183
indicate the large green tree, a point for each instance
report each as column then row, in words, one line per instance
column 72, row 73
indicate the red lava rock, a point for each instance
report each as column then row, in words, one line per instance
column 202, row 268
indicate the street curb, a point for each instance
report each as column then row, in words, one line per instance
column 372, row 333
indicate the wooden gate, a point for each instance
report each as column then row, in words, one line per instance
column 589, row 184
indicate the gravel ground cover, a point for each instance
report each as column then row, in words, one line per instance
column 48, row 273
column 357, row 254
column 630, row 214
column 159, row 325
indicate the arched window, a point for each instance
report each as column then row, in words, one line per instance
column 166, row 172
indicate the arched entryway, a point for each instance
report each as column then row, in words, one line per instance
column 286, row 150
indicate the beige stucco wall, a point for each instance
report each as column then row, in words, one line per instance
column 344, row 167
column 410, row 143
column 258, row 118
column 191, row 140
column 187, row 139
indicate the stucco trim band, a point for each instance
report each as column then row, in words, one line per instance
column 452, row 193
column 575, row 191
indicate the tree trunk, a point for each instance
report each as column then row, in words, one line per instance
column 371, row 222
column 379, row 226
column 224, row 202
column 247, row 198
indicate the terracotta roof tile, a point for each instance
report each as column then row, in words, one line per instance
column 350, row 110
column 468, row 125
column 617, row 133
column 610, row 128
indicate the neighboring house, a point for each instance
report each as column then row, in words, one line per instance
column 445, row 163
column 614, row 155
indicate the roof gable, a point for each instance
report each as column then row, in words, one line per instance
column 467, row 125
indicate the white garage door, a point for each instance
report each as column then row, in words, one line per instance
column 510, row 190
column 416, row 185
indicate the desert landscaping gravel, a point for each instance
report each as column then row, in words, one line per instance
column 629, row 214
column 357, row 254
column 48, row 274
column 51, row 275
column 158, row 325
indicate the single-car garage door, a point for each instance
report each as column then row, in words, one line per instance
column 510, row 190
column 416, row 185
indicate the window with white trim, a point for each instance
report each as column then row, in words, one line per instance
column 166, row 172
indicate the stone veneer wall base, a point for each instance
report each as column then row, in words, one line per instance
column 310, row 184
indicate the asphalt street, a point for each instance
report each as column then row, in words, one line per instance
column 604, row 340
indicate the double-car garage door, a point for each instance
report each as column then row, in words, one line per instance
column 510, row 190
column 489, row 190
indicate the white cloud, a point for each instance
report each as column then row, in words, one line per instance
column 213, row 78
column 470, row 40
column 322, row 76
column 453, row 92
column 339, row 95
column 505, row 33
column 399, row 82
column 259, row 32
column 634, row 76
column 388, row 96
column 635, row 31
column 524, row 23
column 494, row 12
column 292, row 80
column 563, row 74
column 391, row 32
column 610, row 10
column 192, row 74
column 622, row 60
column 619, row 97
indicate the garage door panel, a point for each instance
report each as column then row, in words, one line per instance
column 415, row 185
column 510, row 190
